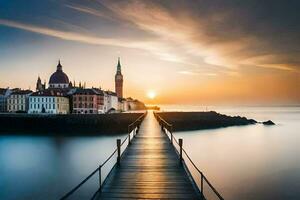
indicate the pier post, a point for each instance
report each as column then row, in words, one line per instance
column 180, row 144
column 129, row 137
column 171, row 131
column 129, row 130
column 100, row 185
column 202, row 184
column 119, row 151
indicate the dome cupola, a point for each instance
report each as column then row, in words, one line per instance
column 59, row 79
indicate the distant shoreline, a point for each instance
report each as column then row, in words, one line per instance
column 66, row 125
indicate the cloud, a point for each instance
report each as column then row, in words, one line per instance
column 73, row 36
column 84, row 38
column 223, row 34
column 91, row 11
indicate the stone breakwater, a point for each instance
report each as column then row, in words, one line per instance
column 66, row 124
column 183, row 121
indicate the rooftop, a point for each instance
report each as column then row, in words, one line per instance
column 88, row 91
column 22, row 92
column 50, row 92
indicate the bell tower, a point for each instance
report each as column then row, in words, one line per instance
column 119, row 81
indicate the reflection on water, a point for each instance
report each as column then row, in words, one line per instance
column 251, row 162
column 47, row 167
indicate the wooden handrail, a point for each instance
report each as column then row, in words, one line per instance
column 132, row 128
column 168, row 127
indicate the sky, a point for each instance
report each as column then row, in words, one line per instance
column 184, row 51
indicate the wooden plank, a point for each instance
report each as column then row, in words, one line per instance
column 149, row 169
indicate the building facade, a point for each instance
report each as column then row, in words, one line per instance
column 18, row 101
column 4, row 94
column 111, row 102
column 119, row 81
column 49, row 102
column 88, row 101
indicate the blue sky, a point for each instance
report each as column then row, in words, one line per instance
column 210, row 51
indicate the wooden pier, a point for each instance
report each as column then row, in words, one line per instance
column 152, row 165
column 149, row 169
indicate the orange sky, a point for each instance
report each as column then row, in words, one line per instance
column 196, row 52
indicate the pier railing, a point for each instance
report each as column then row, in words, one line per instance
column 133, row 129
column 203, row 185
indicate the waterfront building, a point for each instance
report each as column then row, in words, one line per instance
column 119, row 81
column 49, row 101
column 88, row 101
column 18, row 101
column 124, row 106
column 59, row 79
column 4, row 93
column 111, row 102
column 134, row 104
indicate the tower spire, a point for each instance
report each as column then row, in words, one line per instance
column 119, row 65
column 59, row 67
column 119, row 80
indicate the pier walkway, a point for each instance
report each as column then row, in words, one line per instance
column 150, row 163
column 149, row 169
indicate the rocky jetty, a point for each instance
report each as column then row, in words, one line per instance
column 183, row 121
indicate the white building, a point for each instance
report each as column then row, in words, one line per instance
column 111, row 102
column 4, row 94
column 18, row 101
column 49, row 101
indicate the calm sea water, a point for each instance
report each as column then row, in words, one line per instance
column 46, row 167
column 252, row 162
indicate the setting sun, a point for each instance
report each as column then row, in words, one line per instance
column 151, row 94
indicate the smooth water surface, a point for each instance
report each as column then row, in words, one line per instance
column 48, row 167
column 253, row 162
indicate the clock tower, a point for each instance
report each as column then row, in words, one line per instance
column 119, row 81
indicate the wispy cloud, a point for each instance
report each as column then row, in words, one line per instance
column 91, row 11
column 179, row 34
column 203, row 35
column 155, row 47
column 73, row 36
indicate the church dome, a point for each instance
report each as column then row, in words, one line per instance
column 59, row 77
